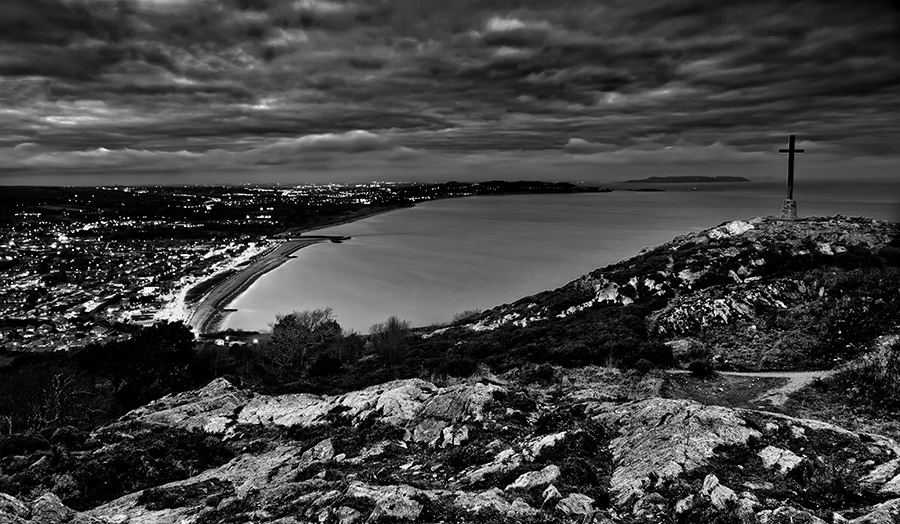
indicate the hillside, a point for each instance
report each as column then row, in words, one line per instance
column 756, row 294
column 544, row 410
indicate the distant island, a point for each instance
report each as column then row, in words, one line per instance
column 687, row 179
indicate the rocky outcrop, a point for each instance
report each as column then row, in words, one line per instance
column 720, row 286
column 532, row 452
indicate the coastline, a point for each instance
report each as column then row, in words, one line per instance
column 208, row 313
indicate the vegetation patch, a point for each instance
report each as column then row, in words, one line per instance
column 208, row 491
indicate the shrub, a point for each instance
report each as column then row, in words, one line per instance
column 873, row 378
column 702, row 368
column 643, row 366
column 388, row 339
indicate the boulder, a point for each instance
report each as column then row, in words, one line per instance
column 577, row 505
column 538, row 446
column 535, row 479
column 719, row 496
column 550, row 496
column 781, row 459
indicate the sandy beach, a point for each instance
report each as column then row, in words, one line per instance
column 209, row 312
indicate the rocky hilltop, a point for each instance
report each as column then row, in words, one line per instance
column 587, row 445
column 762, row 293
column 599, row 436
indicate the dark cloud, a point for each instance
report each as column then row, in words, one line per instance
column 462, row 76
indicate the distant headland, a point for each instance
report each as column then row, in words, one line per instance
column 686, row 179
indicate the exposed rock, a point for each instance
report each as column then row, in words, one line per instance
column 461, row 403
column 492, row 500
column 347, row 515
column 454, row 435
column 430, row 431
column 650, row 507
column 550, row 496
column 664, row 438
column 391, row 502
column 48, row 509
column 210, row 408
column 506, row 460
column 13, row 507
column 285, row 410
column 534, row 479
column 686, row 350
column 576, row 504
column 781, row 459
column 536, row 447
column 322, row 451
column 719, row 496
column 884, row 513
column 787, row 514
column 685, row 504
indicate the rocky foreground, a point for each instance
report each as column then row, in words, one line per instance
column 588, row 445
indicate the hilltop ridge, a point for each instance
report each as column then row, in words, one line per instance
column 742, row 290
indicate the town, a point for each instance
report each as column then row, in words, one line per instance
column 81, row 265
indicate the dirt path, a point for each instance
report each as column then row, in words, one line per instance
column 777, row 396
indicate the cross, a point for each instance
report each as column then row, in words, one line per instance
column 790, row 151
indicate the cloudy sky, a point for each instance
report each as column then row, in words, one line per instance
column 166, row 91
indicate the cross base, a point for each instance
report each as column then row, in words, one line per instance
column 789, row 209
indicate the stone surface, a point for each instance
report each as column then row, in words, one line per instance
column 885, row 513
column 209, row 408
column 492, row 500
column 14, row 507
column 48, row 509
column 665, row 438
column 719, row 496
column 550, row 496
column 576, row 504
column 785, row 514
column 538, row 446
column 391, row 502
column 780, row 459
column 506, row 460
column 535, row 479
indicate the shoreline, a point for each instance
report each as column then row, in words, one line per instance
column 209, row 311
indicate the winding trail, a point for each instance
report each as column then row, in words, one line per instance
column 777, row 396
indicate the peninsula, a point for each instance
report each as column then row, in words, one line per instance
column 687, row 179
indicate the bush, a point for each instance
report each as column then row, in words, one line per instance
column 643, row 366
column 702, row 368
column 874, row 378
column 388, row 339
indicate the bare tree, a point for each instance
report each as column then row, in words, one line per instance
column 388, row 338
column 295, row 337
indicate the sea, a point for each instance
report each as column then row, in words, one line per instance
column 426, row 263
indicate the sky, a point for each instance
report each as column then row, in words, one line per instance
column 297, row 91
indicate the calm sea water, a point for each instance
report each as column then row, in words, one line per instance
column 426, row 263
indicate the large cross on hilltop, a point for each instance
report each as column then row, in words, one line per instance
column 789, row 207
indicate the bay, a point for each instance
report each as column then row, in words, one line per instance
column 426, row 263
